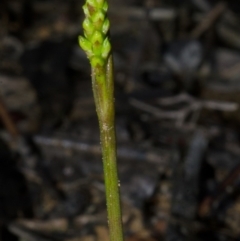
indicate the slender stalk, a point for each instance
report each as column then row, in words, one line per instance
column 97, row 46
column 104, row 99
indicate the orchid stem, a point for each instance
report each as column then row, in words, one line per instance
column 104, row 100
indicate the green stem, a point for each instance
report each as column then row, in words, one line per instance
column 103, row 89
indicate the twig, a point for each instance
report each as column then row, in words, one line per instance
column 208, row 20
column 53, row 225
column 191, row 105
column 208, row 104
column 183, row 97
column 231, row 71
column 7, row 120
column 203, row 5
column 140, row 13
column 25, row 234
column 123, row 152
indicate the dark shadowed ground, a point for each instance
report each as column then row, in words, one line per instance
column 177, row 81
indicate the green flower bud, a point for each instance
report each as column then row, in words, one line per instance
column 105, row 6
column 106, row 48
column 97, row 38
column 88, row 27
column 97, row 62
column 98, row 19
column 97, row 41
column 105, row 26
column 91, row 5
column 99, row 3
column 85, row 10
column 89, row 8
column 85, row 45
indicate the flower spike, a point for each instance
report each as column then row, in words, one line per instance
column 95, row 41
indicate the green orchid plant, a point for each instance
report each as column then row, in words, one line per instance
column 97, row 46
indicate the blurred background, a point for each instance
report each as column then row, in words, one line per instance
column 177, row 84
